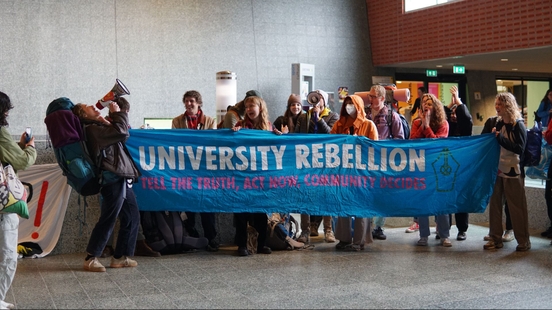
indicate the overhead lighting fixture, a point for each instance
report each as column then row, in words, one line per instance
column 439, row 66
column 504, row 59
column 515, row 69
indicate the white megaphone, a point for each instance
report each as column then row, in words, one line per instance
column 118, row 90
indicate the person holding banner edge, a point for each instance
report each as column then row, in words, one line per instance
column 21, row 155
column 319, row 119
column 509, row 232
column 511, row 134
column 256, row 117
column 353, row 121
column 432, row 123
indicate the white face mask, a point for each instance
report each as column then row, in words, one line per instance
column 350, row 108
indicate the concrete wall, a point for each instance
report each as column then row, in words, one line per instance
column 160, row 49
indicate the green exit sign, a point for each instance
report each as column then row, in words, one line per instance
column 458, row 69
column 431, row 73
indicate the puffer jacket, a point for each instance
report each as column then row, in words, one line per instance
column 106, row 145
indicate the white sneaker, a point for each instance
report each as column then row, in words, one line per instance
column 124, row 261
column 93, row 264
column 329, row 236
column 6, row 305
column 508, row 236
column 446, row 242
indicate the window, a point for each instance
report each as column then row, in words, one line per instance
column 412, row 5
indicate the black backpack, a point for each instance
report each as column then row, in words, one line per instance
column 532, row 153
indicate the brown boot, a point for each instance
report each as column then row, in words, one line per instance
column 142, row 249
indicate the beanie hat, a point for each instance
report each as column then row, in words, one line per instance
column 252, row 93
column 294, row 98
column 324, row 95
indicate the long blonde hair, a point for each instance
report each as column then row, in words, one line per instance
column 510, row 106
column 262, row 123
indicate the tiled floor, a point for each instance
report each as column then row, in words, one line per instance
column 389, row 274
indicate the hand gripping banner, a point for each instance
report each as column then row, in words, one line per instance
column 319, row 174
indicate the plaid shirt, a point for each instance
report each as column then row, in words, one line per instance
column 381, row 122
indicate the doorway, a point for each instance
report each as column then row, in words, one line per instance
column 528, row 93
column 438, row 86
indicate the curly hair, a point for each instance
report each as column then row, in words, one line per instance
column 438, row 115
column 379, row 90
column 510, row 105
column 262, row 123
column 194, row 94
column 5, row 106
column 78, row 110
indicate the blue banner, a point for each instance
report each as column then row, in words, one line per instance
column 340, row 175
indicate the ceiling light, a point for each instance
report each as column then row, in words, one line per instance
column 515, row 69
column 439, row 66
column 504, row 59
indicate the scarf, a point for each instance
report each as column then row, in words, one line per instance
column 193, row 120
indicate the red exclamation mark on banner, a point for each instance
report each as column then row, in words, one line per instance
column 39, row 208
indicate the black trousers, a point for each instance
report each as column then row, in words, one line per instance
column 208, row 222
column 257, row 220
column 462, row 220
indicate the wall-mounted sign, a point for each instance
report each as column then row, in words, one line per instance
column 432, row 73
column 458, row 69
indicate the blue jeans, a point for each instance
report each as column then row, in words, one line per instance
column 118, row 200
column 443, row 225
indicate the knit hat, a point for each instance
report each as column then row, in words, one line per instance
column 252, row 93
column 293, row 98
column 324, row 95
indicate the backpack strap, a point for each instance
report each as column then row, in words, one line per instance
column 96, row 164
column 389, row 119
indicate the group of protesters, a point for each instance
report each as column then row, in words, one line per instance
column 368, row 116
